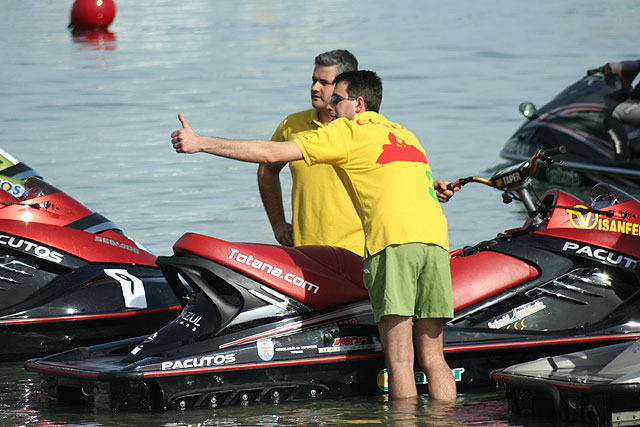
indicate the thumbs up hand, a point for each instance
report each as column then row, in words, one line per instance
column 185, row 140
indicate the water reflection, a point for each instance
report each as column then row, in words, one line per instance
column 94, row 39
column 22, row 404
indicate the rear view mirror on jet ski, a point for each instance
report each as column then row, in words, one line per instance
column 528, row 110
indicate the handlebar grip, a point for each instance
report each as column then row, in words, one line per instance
column 450, row 186
column 553, row 151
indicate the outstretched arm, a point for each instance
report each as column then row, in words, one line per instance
column 185, row 140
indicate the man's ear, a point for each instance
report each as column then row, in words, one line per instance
column 361, row 107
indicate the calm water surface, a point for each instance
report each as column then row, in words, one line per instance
column 93, row 116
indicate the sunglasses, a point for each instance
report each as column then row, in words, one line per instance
column 335, row 99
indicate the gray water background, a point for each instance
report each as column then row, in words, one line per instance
column 95, row 118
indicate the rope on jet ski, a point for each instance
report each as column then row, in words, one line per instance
column 44, row 205
column 609, row 214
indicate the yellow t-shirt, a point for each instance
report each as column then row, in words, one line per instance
column 390, row 176
column 321, row 208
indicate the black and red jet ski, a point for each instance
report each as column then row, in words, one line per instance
column 599, row 147
column 271, row 323
column 69, row 276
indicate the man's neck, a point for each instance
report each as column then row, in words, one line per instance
column 323, row 117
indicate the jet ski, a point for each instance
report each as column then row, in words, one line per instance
column 599, row 147
column 600, row 386
column 270, row 323
column 68, row 276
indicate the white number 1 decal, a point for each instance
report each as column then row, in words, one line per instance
column 132, row 287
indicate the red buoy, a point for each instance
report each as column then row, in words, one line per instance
column 92, row 14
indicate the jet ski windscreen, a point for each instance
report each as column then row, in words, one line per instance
column 605, row 195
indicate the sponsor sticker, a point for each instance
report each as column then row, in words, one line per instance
column 12, row 188
column 265, row 349
column 117, row 244
column 599, row 254
column 593, row 221
column 260, row 265
column 31, row 248
column 132, row 287
column 189, row 320
column 297, row 349
column 200, row 362
column 139, row 347
column 509, row 179
column 347, row 344
column 517, row 314
column 420, row 377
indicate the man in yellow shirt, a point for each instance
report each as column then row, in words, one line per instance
column 407, row 264
column 322, row 212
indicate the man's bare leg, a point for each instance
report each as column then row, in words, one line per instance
column 428, row 342
column 396, row 335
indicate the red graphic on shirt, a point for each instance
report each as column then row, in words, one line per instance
column 400, row 151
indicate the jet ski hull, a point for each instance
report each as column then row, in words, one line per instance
column 600, row 386
column 326, row 362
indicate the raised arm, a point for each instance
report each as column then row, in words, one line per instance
column 187, row 141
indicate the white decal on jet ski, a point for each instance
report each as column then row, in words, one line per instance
column 132, row 287
column 190, row 320
column 349, row 348
column 200, row 362
column 275, row 271
column 600, row 254
column 516, row 314
column 141, row 346
column 117, row 244
column 343, row 344
column 297, row 349
column 30, row 247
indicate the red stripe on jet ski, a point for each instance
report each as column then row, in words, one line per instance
column 87, row 316
column 523, row 344
column 262, row 365
column 70, row 372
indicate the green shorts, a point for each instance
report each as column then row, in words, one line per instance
column 412, row 279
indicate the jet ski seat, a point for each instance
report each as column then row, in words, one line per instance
column 499, row 272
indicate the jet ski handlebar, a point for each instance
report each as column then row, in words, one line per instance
column 515, row 175
column 516, row 179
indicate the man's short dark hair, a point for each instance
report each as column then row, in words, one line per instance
column 342, row 59
column 363, row 83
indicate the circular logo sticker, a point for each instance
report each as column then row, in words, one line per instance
column 584, row 220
